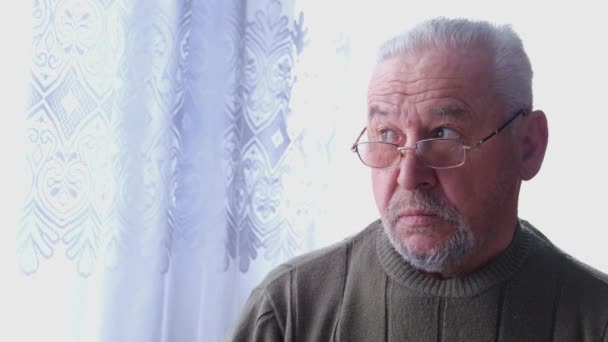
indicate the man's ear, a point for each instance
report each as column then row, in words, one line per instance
column 534, row 137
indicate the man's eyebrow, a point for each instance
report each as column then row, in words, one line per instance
column 455, row 112
column 376, row 111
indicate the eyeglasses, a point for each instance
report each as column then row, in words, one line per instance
column 438, row 153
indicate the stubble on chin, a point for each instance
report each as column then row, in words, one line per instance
column 449, row 253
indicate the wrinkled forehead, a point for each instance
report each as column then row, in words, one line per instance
column 413, row 68
column 442, row 112
column 450, row 81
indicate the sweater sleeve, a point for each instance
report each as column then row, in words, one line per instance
column 258, row 321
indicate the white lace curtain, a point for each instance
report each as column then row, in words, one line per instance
column 166, row 169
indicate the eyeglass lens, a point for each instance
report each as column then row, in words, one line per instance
column 434, row 153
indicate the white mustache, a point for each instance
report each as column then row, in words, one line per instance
column 420, row 200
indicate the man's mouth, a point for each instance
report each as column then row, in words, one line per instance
column 419, row 217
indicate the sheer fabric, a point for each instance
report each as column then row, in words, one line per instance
column 160, row 149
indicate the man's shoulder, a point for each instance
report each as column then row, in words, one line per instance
column 306, row 291
column 325, row 264
column 570, row 266
column 583, row 269
column 589, row 286
column 566, row 262
column 583, row 295
column 584, row 277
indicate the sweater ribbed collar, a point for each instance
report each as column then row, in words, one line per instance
column 500, row 269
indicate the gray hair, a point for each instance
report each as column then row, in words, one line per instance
column 512, row 69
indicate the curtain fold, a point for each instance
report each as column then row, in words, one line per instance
column 157, row 152
column 176, row 151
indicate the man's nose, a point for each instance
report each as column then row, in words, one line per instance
column 413, row 173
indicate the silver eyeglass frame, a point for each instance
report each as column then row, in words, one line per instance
column 402, row 149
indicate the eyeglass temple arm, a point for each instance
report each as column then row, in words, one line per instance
column 520, row 112
column 354, row 147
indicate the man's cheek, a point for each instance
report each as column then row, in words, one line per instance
column 383, row 190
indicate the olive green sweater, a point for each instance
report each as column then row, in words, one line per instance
column 362, row 290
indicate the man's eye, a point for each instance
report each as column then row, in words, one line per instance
column 446, row 133
column 388, row 135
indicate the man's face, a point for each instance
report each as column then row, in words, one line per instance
column 455, row 217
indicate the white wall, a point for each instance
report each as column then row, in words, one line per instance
column 15, row 26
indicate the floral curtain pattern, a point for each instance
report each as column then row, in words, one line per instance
column 166, row 168
column 113, row 102
column 176, row 151
column 112, row 97
column 257, row 137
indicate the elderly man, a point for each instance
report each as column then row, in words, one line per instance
column 450, row 136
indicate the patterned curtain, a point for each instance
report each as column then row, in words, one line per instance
column 168, row 168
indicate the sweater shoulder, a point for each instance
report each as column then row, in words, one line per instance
column 311, row 286
column 570, row 266
column 587, row 276
column 572, row 269
column 584, row 297
column 583, row 289
column 577, row 291
column 327, row 262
